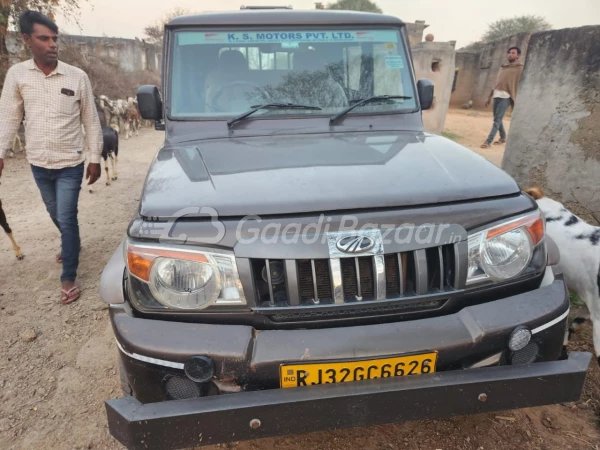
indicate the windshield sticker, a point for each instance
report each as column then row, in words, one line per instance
column 293, row 38
column 394, row 62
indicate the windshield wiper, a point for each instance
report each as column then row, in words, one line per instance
column 362, row 102
column 270, row 106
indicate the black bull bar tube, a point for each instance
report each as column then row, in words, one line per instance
column 259, row 414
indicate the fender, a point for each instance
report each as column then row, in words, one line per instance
column 111, row 280
column 553, row 252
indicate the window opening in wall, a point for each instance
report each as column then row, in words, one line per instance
column 455, row 79
column 436, row 65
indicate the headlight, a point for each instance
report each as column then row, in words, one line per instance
column 504, row 251
column 189, row 279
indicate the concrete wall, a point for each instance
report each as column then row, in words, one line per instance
column 467, row 70
column 477, row 71
column 554, row 138
column 436, row 62
column 415, row 31
column 131, row 54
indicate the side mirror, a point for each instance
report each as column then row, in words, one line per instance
column 150, row 104
column 425, row 91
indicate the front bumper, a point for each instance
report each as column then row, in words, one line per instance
column 247, row 365
column 260, row 414
column 249, row 359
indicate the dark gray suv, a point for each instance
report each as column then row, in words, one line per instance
column 305, row 256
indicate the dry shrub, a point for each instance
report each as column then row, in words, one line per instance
column 105, row 75
column 3, row 69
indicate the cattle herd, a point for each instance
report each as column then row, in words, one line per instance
column 122, row 115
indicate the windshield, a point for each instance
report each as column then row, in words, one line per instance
column 223, row 74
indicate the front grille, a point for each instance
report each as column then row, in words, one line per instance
column 368, row 310
column 351, row 280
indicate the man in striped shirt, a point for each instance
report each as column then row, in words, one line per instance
column 54, row 99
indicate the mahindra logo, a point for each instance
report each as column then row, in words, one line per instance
column 355, row 244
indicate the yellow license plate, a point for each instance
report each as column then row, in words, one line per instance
column 328, row 372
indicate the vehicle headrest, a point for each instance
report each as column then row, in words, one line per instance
column 309, row 60
column 233, row 60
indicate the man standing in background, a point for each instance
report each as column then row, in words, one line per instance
column 504, row 94
column 56, row 99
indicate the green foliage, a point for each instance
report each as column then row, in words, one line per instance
column 355, row 5
column 509, row 26
column 575, row 300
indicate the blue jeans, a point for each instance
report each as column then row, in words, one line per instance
column 60, row 192
column 500, row 107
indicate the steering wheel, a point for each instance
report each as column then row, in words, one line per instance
column 212, row 102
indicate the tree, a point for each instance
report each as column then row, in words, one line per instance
column 509, row 26
column 156, row 30
column 9, row 18
column 11, row 9
column 355, row 5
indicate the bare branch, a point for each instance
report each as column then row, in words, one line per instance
column 155, row 31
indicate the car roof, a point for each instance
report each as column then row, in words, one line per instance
column 283, row 16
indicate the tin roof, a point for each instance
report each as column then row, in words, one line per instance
column 287, row 17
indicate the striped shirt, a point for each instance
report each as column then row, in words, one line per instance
column 53, row 107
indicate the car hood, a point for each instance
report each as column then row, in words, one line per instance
column 274, row 175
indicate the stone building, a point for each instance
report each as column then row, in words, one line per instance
column 435, row 61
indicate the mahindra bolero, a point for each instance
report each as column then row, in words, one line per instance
column 306, row 256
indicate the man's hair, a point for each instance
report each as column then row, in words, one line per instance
column 515, row 48
column 28, row 18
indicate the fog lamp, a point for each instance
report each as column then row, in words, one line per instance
column 199, row 368
column 519, row 339
column 180, row 388
column 526, row 355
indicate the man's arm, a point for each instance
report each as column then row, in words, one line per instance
column 11, row 114
column 90, row 121
column 489, row 100
column 93, row 130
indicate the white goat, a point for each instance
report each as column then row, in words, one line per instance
column 117, row 110
column 579, row 246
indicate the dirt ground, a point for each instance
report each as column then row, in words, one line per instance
column 470, row 128
column 59, row 363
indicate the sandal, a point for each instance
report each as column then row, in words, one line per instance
column 500, row 141
column 70, row 296
column 485, row 145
